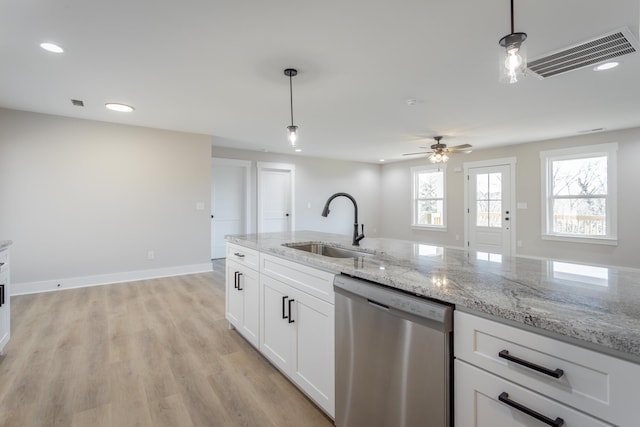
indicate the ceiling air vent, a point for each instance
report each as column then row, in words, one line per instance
column 77, row 102
column 600, row 49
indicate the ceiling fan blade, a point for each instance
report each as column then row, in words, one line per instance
column 460, row 147
column 421, row 152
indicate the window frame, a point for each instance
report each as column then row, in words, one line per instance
column 415, row 172
column 547, row 157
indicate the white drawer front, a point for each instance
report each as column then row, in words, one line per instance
column 242, row 255
column 478, row 403
column 307, row 279
column 4, row 260
column 595, row 383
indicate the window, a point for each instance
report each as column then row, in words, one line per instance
column 428, row 197
column 579, row 197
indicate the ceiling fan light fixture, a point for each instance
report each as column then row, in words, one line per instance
column 512, row 62
column 293, row 129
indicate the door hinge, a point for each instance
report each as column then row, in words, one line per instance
column 468, row 244
column 468, row 210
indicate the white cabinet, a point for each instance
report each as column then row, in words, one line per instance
column 547, row 376
column 5, row 300
column 297, row 327
column 243, row 299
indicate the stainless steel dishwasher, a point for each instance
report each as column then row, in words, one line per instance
column 393, row 357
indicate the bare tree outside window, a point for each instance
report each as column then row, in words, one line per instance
column 579, row 196
column 429, row 197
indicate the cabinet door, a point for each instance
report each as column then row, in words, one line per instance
column 234, row 299
column 314, row 358
column 277, row 333
column 477, row 403
column 5, row 316
column 250, row 291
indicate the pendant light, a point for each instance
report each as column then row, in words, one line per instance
column 293, row 129
column 513, row 58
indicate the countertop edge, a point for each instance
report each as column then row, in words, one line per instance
column 590, row 338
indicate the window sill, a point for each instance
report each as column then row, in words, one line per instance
column 574, row 239
column 428, row 227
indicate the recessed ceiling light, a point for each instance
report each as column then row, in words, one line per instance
column 51, row 47
column 382, row 160
column 122, row 108
column 606, row 66
column 298, row 150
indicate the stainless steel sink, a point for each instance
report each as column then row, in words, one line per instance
column 328, row 251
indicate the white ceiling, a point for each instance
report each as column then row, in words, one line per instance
column 216, row 67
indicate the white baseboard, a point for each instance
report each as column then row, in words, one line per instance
column 106, row 279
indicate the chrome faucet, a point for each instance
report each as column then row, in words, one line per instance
column 325, row 212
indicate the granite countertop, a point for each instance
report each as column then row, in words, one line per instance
column 5, row 244
column 595, row 306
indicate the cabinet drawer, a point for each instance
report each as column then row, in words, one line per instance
column 4, row 260
column 307, row 279
column 592, row 382
column 242, row 255
column 478, row 403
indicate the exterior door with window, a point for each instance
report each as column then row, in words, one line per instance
column 489, row 209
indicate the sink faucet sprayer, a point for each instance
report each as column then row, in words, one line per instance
column 325, row 212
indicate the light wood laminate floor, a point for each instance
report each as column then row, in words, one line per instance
column 148, row 353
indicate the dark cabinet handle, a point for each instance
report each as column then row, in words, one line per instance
column 284, row 313
column 290, row 318
column 557, row 373
column 1, row 295
column 504, row 398
column 239, row 255
column 239, row 288
column 235, row 280
column 1, row 264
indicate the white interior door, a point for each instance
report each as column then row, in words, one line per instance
column 229, row 202
column 489, row 209
column 275, row 197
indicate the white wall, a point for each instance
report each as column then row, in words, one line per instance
column 396, row 200
column 83, row 198
column 315, row 181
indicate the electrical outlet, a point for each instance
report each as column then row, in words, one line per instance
column 519, row 243
column 151, row 255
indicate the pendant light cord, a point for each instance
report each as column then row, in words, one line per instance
column 512, row 26
column 291, row 95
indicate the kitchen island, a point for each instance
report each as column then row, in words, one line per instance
column 596, row 307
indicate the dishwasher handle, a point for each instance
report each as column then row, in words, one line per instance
column 395, row 300
column 377, row 304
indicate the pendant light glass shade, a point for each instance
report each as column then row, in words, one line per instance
column 512, row 62
column 293, row 134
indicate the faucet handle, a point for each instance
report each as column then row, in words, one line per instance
column 362, row 229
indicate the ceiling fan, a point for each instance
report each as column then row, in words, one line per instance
column 440, row 152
